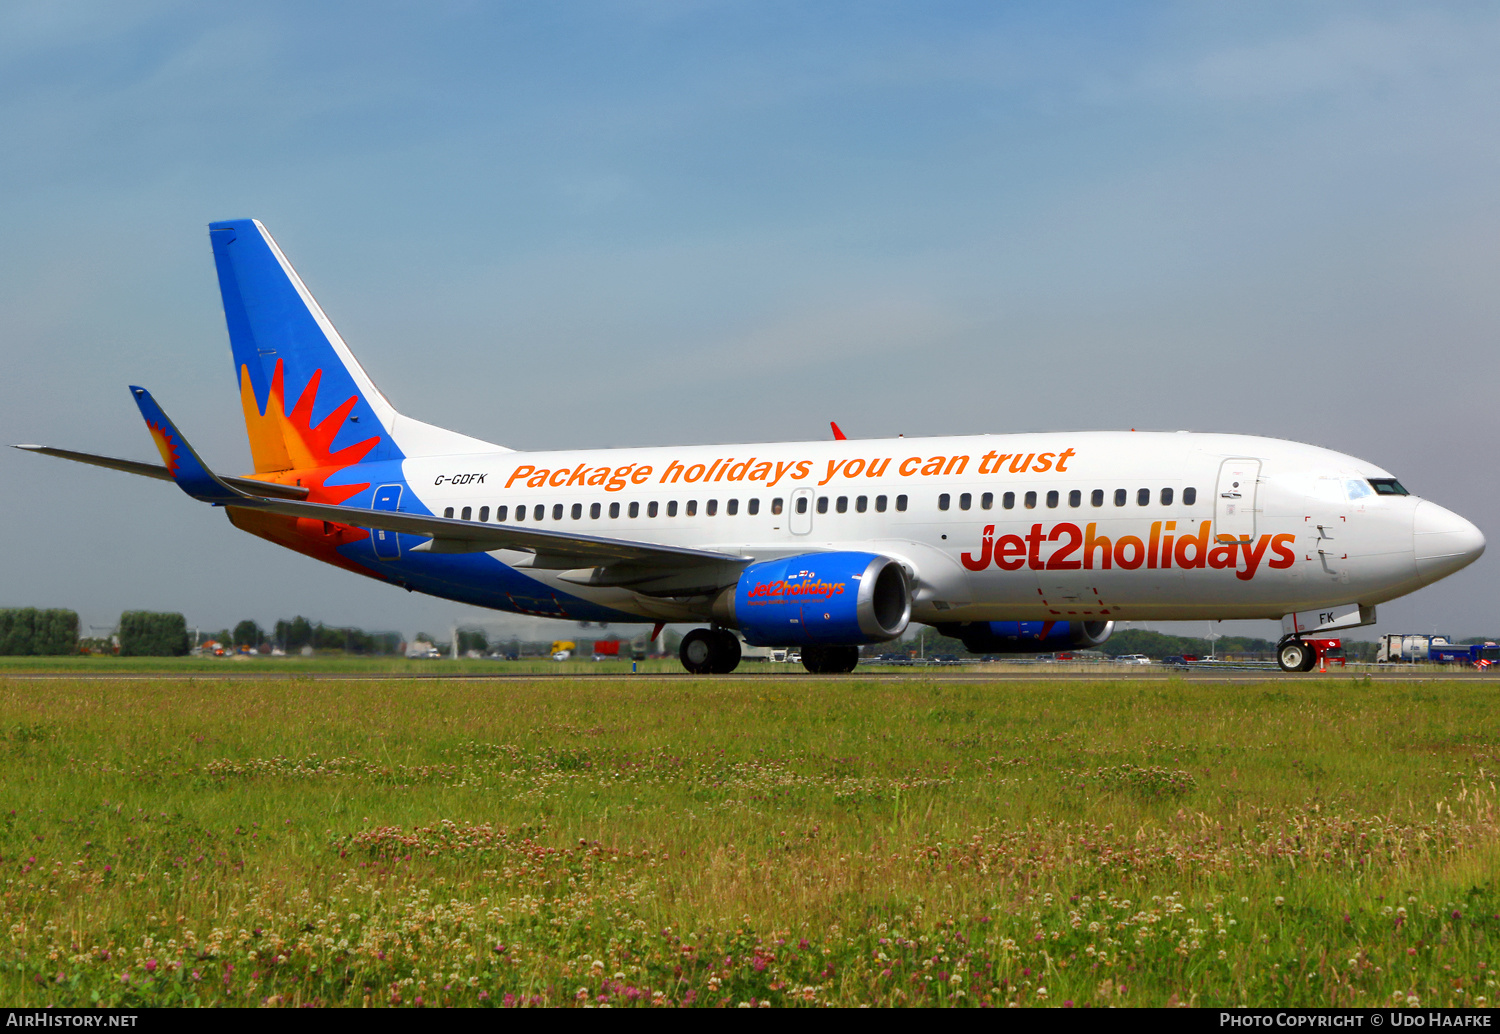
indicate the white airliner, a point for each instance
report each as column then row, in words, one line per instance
column 1017, row 543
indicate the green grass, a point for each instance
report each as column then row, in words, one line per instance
column 682, row 841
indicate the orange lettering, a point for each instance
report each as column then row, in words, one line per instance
column 1091, row 543
column 1284, row 557
column 1252, row 558
column 1137, row 550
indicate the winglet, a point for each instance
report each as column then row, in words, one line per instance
column 191, row 473
column 838, row 436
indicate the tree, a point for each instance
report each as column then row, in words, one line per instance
column 147, row 634
column 248, row 633
column 293, row 635
column 26, row 631
column 472, row 639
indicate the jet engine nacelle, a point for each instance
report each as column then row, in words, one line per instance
column 820, row 598
column 1029, row 636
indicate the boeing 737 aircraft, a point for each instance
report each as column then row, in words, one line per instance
column 1017, row 543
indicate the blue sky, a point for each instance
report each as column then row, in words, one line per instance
column 556, row 225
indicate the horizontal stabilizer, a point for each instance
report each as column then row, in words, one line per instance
column 161, row 473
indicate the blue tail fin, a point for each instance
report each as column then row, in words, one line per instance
column 307, row 401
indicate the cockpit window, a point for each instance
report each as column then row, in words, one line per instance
column 1357, row 490
column 1388, row 486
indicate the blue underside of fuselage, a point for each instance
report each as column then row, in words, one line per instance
column 480, row 580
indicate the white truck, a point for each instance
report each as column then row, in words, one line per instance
column 1408, row 649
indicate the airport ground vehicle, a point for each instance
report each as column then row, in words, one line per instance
column 1434, row 649
column 1017, row 543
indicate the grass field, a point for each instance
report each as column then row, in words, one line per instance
column 687, row 842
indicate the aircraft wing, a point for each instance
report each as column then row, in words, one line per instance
column 623, row 562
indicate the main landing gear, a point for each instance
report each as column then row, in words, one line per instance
column 709, row 651
column 830, row 660
column 1295, row 655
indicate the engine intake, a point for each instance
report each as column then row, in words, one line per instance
column 842, row 598
column 1028, row 636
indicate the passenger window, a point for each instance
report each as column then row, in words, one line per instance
column 987, row 501
column 943, row 501
column 1075, row 498
column 672, row 508
column 822, row 504
column 468, row 512
column 594, row 511
column 801, row 504
column 557, row 511
column 861, row 504
column 577, row 511
column 520, row 513
column 502, row 512
column 1120, row 495
column 732, row 507
column 692, row 508
column 776, row 506
column 711, row 508
column 1143, row 497
column 651, row 508
column 538, row 511
column 901, row 503
column 1189, row 496
column 448, row 511
column 1166, row 497
column 484, row 514
column 614, row 511
column 965, row 501
column 1008, row 500
column 1031, row 500
column 1096, row 498
column 635, row 509
column 842, row 506
column 752, row 506
column 1052, row 500
column 880, row 504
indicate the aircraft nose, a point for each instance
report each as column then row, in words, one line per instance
column 1442, row 541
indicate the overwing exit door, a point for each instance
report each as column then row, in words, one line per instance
column 800, row 520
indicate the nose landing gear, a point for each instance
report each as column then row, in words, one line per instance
column 1295, row 655
column 709, row 651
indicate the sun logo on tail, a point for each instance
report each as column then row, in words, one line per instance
column 165, row 444
column 289, row 441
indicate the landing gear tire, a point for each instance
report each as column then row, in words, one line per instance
column 830, row 660
column 709, row 651
column 1295, row 655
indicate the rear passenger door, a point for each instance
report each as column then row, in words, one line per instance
column 387, row 545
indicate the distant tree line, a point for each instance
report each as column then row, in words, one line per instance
column 29, row 632
column 291, row 636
